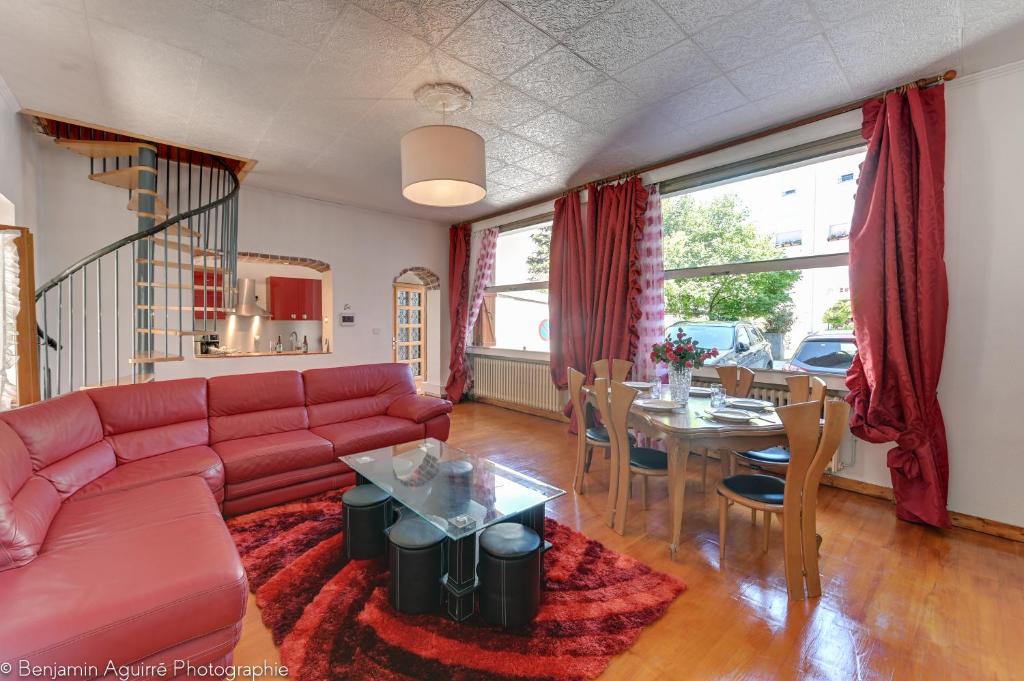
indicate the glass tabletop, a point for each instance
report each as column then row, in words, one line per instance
column 460, row 493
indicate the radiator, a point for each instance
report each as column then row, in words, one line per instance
column 515, row 381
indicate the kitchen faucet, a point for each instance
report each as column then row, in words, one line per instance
column 293, row 338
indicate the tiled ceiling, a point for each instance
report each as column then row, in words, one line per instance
column 320, row 91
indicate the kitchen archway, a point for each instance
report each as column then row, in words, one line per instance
column 416, row 325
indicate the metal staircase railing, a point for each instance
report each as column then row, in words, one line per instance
column 111, row 316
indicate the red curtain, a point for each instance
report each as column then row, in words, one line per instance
column 569, row 289
column 900, row 297
column 458, row 307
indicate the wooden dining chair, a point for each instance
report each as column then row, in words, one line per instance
column 628, row 460
column 614, row 369
column 795, row 498
column 802, row 388
column 736, row 380
column 587, row 437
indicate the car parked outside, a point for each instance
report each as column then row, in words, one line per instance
column 739, row 343
column 830, row 352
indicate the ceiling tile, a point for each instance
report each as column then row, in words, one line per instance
column 808, row 63
column 556, row 75
column 757, row 32
column 625, row 35
column 513, row 176
column 388, row 119
column 305, row 21
column 494, row 165
column 702, row 101
column 438, row 67
column 695, row 15
column 670, row 71
column 878, row 51
column 980, row 10
column 505, row 107
column 547, row 163
column 994, row 37
column 468, row 121
column 551, row 128
column 317, row 105
column 559, row 17
column 803, row 100
column 603, row 106
column 431, row 20
column 496, row 40
column 510, row 148
column 722, row 127
column 832, row 12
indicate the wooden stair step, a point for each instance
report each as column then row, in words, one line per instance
column 160, row 209
column 185, row 285
column 184, row 247
column 126, row 178
column 104, row 148
column 148, row 357
column 173, row 332
column 184, row 308
column 120, row 380
column 178, row 228
column 183, row 265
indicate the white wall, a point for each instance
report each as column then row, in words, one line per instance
column 365, row 249
column 17, row 162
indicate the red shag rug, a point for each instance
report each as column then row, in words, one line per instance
column 332, row 620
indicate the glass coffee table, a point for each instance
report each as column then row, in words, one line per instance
column 461, row 494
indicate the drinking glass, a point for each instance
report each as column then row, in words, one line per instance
column 655, row 381
column 717, row 397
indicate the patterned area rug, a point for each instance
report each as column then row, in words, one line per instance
column 332, row 620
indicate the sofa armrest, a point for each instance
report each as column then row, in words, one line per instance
column 419, row 408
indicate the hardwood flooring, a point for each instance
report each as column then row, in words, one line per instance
column 899, row 601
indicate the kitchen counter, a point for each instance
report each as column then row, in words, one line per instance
column 229, row 355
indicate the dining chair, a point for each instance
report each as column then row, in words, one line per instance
column 802, row 388
column 614, row 401
column 587, row 437
column 614, row 369
column 795, row 499
column 736, row 380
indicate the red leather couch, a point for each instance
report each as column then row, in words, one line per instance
column 112, row 542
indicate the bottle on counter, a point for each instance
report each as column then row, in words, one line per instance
column 305, row 344
column 279, row 346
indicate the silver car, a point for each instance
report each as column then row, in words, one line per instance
column 831, row 352
column 739, row 343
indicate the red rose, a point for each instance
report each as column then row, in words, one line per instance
column 714, row 352
column 689, row 364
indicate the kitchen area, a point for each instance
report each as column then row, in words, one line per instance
column 282, row 309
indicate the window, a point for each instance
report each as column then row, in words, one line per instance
column 846, row 177
column 839, row 231
column 794, row 237
column 514, row 314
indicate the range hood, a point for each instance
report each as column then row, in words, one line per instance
column 247, row 305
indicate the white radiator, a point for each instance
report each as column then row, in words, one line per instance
column 515, row 381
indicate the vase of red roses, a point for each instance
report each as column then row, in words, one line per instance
column 682, row 355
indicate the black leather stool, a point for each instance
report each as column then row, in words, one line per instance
column 509, row 571
column 367, row 515
column 416, row 561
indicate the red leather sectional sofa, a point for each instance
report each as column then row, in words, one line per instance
column 112, row 542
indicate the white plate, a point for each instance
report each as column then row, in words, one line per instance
column 731, row 415
column 659, row 405
column 700, row 392
column 747, row 403
column 638, row 385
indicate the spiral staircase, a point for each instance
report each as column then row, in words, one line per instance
column 112, row 316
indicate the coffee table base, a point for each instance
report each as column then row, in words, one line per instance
column 461, row 581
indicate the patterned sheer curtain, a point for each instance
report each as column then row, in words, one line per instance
column 651, row 326
column 484, row 248
column 9, row 271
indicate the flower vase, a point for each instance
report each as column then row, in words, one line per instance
column 679, row 383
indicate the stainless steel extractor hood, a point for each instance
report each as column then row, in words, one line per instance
column 247, row 305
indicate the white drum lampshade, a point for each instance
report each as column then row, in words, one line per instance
column 443, row 165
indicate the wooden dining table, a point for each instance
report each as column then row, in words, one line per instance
column 690, row 429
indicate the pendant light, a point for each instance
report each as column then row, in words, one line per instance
column 443, row 165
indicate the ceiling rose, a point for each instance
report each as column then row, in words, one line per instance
column 443, row 165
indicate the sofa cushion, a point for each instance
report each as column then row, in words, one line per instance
column 369, row 433
column 419, row 408
column 349, row 393
column 57, row 428
column 201, row 461
column 28, row 503
column 287, row 479
column 147, row 575
column 249, row 405
column 153, row 418
column 74, row 472
column 437, row 427
column 257, row 457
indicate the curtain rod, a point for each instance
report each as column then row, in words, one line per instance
column 920, row 83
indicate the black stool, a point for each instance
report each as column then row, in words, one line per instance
column 416, row 561
column 367, row 515
column 509, row 571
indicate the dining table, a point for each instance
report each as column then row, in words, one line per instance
column 690, row 428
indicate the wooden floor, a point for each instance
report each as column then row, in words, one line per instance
column 900, row 601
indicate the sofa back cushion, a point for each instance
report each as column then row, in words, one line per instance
column 357, row 392
column 64, row 441
column 28, row 503
column 147, row 419
column 248, row 405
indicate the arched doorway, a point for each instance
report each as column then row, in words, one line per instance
column 416, row 320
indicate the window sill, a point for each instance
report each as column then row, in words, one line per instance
column 525, row 355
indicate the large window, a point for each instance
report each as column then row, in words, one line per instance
column 755, row 258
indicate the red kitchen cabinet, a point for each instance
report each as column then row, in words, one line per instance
column 295, row 299
column 214, row 294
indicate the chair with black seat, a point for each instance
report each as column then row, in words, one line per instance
column 795, row 499
column 510, row 567
column 614, row 400
column 802, row 388
column 416, row 564
column 366, row 514
column 589, row 435
column 736, row 381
